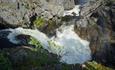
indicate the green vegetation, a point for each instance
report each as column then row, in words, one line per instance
column 5, row 63
column 39, row 22
column 55, row 48
column 37, row 44
column 37, row 58
column 44, row 58
column 95, row 66
column 40, row 59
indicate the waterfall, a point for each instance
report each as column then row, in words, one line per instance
column 66, row 44
column 73, row 12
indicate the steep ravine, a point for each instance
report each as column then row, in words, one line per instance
column 65, row 32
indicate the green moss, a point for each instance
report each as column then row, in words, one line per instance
column 55, row 48
column 95, row 66
column 36, row 43
column 5, row 63
column 39, row 22
column 41, row 59
column 37, row 57
column 42, row 53
column 44, row 58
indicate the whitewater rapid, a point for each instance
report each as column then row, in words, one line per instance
column 66, row 44
column 73, row 12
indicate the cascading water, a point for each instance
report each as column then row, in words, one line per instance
column 73, row 12
column 66, row 43
column 74, row 49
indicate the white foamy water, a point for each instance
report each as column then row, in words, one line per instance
column 34, row 33
column 73, row 12
column 75, row 50
column 66, row 44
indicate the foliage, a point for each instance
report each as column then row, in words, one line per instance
column 5, row 63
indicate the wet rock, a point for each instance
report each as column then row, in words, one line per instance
column 5, row 43
column 99, row 30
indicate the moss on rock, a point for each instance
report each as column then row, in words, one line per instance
column 96, row 66
column 39, row 22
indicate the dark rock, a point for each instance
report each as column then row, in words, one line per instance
column 24, row 39
column 5, row 43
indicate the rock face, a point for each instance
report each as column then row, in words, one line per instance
column 99, row 30
column 18, row 12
